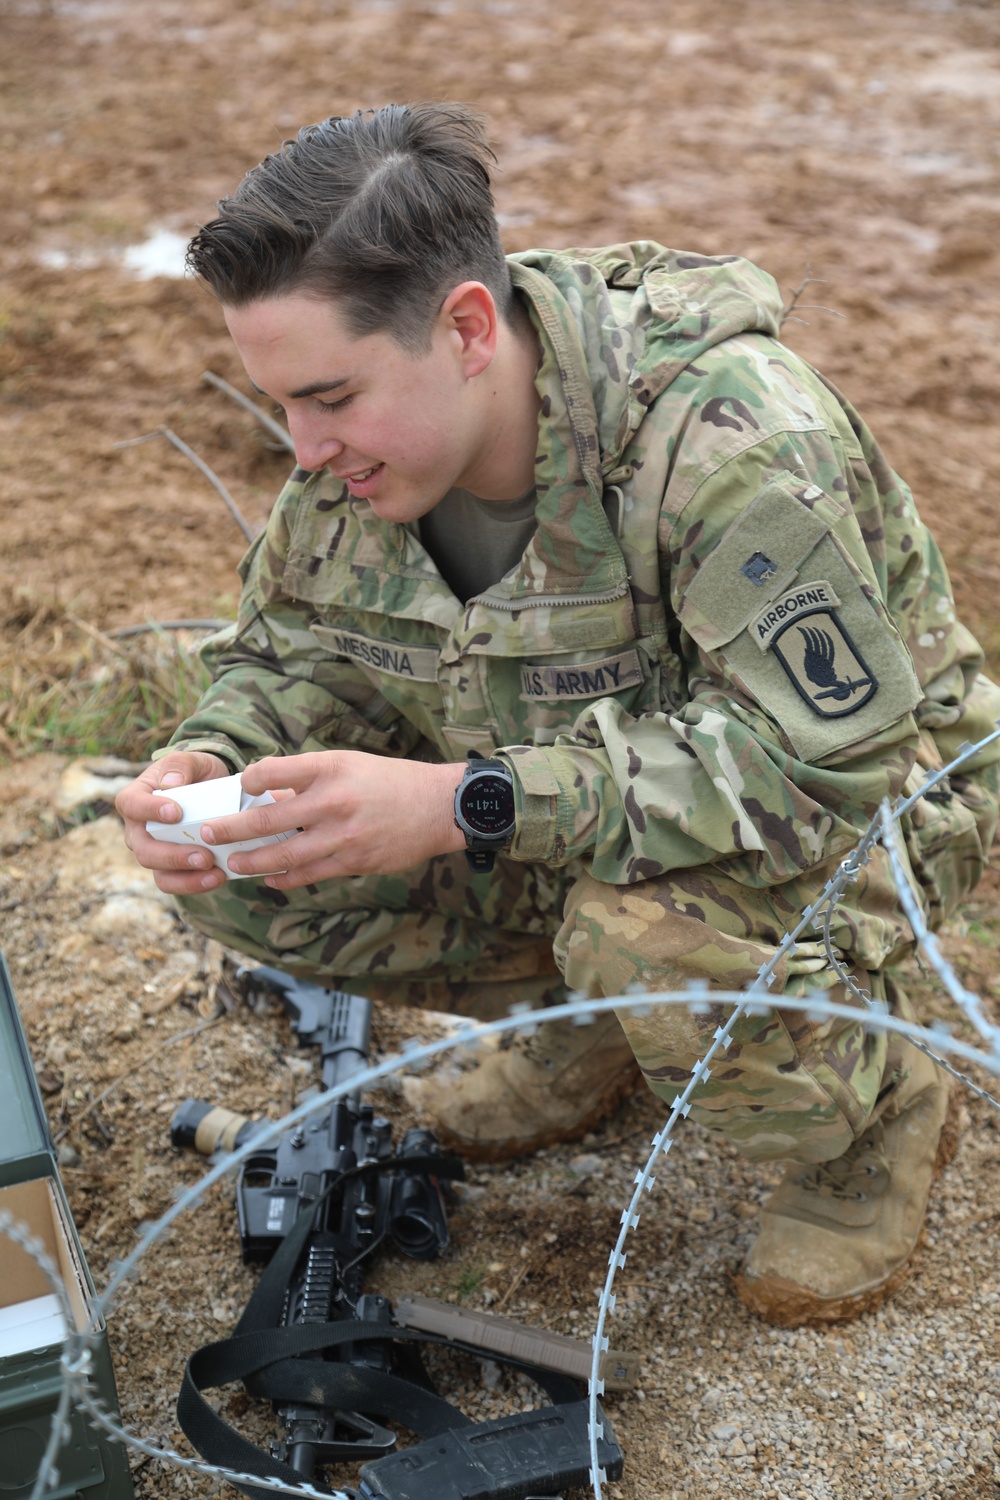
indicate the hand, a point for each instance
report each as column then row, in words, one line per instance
column 177, row 870
column 351, row 814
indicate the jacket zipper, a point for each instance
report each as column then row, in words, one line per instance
column 539, row 601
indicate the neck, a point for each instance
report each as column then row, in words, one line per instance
column 505, row 468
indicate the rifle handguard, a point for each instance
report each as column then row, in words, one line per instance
column 511, row 1340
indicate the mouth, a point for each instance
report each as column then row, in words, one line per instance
column 361, row 483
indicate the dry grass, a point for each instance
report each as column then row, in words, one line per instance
column 67, row 687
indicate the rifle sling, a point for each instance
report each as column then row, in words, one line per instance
column 267, row 1358
column 266, row 1361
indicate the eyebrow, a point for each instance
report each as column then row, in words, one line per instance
column 316, row 389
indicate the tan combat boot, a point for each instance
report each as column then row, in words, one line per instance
column 836, row 1239
column 550, row 1086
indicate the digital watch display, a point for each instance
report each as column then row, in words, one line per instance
column 484, row 810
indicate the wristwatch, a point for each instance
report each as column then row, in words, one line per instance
column 484, row 810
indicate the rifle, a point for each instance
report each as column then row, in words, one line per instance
column 314, row 1206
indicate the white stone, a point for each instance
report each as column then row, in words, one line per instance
column 95, row 778
column 93, row 860
column 127, row 915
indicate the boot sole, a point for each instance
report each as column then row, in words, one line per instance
column 552, row 1135
column 784, row 1304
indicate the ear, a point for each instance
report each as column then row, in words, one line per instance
column 470, row 316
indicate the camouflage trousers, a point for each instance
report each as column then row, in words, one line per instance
column 444, row 938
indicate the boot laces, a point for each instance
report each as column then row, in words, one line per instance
column 862, row 1171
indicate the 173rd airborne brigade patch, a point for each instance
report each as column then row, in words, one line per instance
column 815, row 649
column 782, row 602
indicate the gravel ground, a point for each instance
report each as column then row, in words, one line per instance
column 851, row 149
column 900, row 1404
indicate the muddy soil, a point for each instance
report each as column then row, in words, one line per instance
column 852, row 149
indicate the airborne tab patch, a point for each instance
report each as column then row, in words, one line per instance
column 792, row 604
column 823, row 664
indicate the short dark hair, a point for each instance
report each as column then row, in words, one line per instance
column 384, row 211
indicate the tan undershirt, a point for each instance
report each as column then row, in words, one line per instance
column 475, row 542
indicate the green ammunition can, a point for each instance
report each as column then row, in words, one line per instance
column 91, row 1465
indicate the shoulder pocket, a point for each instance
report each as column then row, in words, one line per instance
column 756, row 560
column 785, row 607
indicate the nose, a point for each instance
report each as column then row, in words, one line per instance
column 315, row 445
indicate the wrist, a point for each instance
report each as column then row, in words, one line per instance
column 447, row 779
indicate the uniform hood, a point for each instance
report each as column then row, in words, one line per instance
column 624, row 321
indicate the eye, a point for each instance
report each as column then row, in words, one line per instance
column 335, row 405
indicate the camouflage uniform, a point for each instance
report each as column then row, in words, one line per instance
column 729, row 639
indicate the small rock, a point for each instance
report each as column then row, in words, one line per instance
column 93, row 859
column 585, row 1166
column 124, row 915
column 67, row 1155
column 98, row 778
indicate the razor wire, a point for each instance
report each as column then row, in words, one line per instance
column 755, row 1000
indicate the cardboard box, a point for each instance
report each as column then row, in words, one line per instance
column 205, row 800
column 32, row 1325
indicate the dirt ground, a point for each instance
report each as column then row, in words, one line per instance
column 850, row 148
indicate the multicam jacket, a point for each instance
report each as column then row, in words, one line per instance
column 725, row 644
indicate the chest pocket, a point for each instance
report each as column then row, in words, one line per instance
column 786, row 608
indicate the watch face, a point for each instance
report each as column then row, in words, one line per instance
column 487, row 804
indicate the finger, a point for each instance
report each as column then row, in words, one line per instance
column 139, row 802
column 284, row 815
column 161, row 854
column 315, row 873
column 294, row 771
column 164, row 810
column 177, row 883
column 284, row 855
column 136, row 800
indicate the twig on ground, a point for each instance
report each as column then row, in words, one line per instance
column 125, row 631
column 787, row 312
column 199, row 464
column 519, row 1276
column 268, row 423
column 97, row 635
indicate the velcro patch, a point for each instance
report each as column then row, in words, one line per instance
column 589, row 679
column 416, row 663
column 824, row 665
column 793, row 604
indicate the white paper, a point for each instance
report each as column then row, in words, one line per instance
column 35, row 1324
column 205, row 801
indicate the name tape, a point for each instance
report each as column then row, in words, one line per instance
column 590, row 679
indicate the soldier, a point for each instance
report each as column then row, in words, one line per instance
column 584, row 641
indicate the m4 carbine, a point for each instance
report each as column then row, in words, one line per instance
column 314, row 1205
